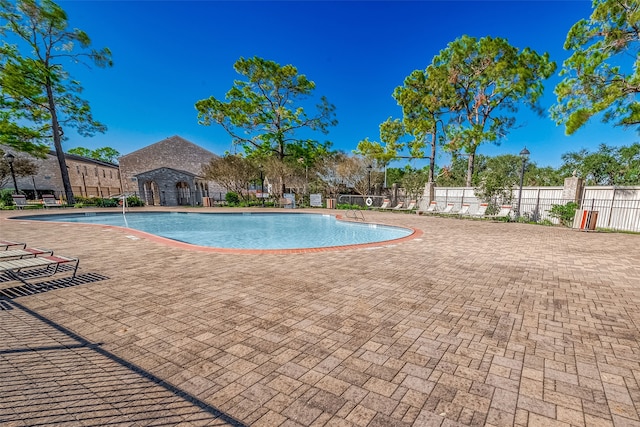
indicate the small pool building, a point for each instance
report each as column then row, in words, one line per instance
column 169, row 173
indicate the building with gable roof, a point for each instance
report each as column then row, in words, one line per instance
column 88, row 177
column 169, row 173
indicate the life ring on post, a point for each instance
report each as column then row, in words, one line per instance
column 369, row 201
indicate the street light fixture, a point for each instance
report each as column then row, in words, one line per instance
column 524, row 155
column 10, row 158
column 369, row 168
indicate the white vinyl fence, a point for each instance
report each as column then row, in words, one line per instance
column 617, row 208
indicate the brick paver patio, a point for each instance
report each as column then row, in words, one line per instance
column 472, row 323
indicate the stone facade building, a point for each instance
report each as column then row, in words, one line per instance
column 169, row 173
column 88, row 177
column 171, row 187
column 92, row 178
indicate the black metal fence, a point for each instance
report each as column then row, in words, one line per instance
column 612, row 214
column 362, row 201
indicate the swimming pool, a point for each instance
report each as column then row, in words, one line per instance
column 243, row 230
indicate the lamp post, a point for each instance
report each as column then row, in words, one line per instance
column 369, row 168
column 524, row 155
column 10, row 158
column 35, row 190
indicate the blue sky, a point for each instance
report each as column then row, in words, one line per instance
column 169, row 54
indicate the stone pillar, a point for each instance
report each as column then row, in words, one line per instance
column 572, row 191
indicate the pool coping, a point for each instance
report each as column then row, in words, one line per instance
column 415, row 233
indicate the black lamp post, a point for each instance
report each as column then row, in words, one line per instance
column 524, row 155
column 369, row 168
column 35, row 190
column 10, row 158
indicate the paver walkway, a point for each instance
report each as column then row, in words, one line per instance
column 473, row 323
column 50, row 376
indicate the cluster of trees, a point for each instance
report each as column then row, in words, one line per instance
column 605, row 166
column 496, row 176
column 338, row 172
column 104, row 154
column 331, row 173
column 473, row 88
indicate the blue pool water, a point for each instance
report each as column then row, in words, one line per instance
column 244, row 230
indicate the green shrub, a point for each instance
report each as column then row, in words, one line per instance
column 493, row 208
column 134, row 201
column 5, row 198
column 232, row 198
column 564, row 213
column 85, row 201
column 505, row 219
column 106, row 203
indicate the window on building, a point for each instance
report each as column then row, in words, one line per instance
column 96, row 171
column 78, row 169
column 104, row 173
column 85, row 170
column 110, row 174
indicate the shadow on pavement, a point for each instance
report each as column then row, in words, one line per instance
column 50, row 375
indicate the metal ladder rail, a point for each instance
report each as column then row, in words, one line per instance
column 355, row 214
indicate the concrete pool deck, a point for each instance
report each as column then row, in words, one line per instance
column 471, row 323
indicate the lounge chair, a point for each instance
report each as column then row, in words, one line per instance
column 20, row 200
column 482, row 209
column 464, row 210
column 505, row 211
column 412, row 205
column 449, row 209
column 49, row 201
column 6, row 244
column 23, row 253
column 398, row 207
column 432, row 208
column 385, row 204
column 24, row 269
